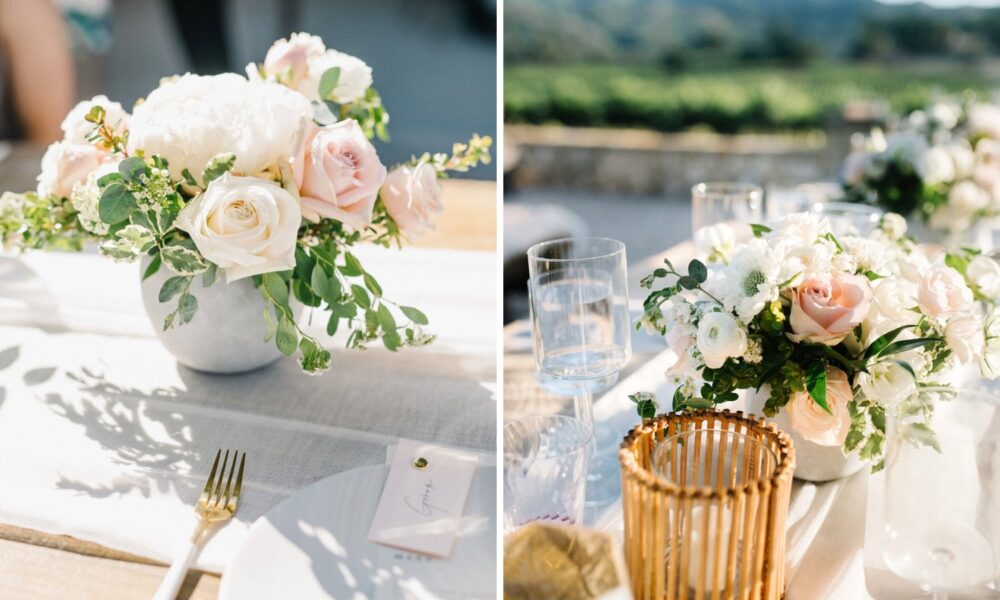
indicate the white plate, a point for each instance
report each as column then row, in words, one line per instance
column 314, row 546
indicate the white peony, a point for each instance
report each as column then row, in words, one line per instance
column 355, row 76
column 246, row 226
column 76, row 128
column 64, row 165
column 191, row 119
column 984, row 272
column 720, row 336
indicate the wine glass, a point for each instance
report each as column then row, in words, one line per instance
column 849, row 218
column 582, row 335
column 734, row 204
column 942, row 503
column 545, row 470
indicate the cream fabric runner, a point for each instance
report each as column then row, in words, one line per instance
column 104, row 437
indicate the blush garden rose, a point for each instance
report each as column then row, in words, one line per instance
column 215, row 173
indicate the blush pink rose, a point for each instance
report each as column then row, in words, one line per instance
column 288, row 60
column 825, row 310
column 943, row 291
column 339, row 174
column 65, row 164
column 412, row 196
column 815, row 424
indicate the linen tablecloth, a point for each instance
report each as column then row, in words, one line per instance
column 104, row 437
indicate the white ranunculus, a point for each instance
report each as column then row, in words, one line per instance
column 964, row 336
column 967, row 197
column 720, row 336
column 192, row 119
column 76, row 128
column 886, row 383
column 984, row 272
column 355, row 76
column 245, row 225
column 895, row 298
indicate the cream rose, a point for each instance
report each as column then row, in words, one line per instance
column 815, row 424
column 826, row 309
column 720, row 336
column 965, row 337
column 339, row 174
column 246, row 226
column 76, row 128
column 984, row 272
column 64, row 165
column 192, row 119
column 412, row 196
column 942, row 291
column 288, row 60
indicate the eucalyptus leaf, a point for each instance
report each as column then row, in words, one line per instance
column 414, row 315
column 372, row 285
column 361, row 296
column 328, row 82
column 116, row 204
column 132, row 168
column 277, row 288
column 210, row 276
column 173, row 286
column 698, row 271
column 187, row 306
column 352, row 266
column 287, row 337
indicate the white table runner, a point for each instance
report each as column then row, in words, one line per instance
column 105, row 438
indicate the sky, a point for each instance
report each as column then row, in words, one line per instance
column 947, row 3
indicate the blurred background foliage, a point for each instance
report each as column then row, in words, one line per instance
column 731, row 66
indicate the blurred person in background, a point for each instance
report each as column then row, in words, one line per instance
column 37, row 86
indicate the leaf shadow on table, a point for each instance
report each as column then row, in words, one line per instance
column 24, row 295
column 8, row 356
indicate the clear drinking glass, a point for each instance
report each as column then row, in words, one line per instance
column 849, row 218
column 545, row 470
column 582, row 334
column 942, row 502
column 731, row 203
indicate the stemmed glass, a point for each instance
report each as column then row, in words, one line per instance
column 582, row 335
column 731, row 203
column 942, row 503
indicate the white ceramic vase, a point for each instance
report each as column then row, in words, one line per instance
column 813, row 462
column 227, row 333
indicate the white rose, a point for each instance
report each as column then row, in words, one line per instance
column 720, row 337
column 76, row 128
column 984, row 119
column 965, row 338
column 64, row 165
column 968, row 197
column 962, row 157
column 355, row 76
column 893, row 225
column 886, row 383
column 246, row 226
column 936, row 166
column 943, row 291
column 412, row 196
column 192, row 119
column 984, row 272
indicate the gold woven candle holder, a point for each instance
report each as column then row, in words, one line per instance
column 705, row 500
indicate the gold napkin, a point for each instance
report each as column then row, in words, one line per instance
column 559, row 562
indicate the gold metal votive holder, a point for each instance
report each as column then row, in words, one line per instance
column 705, row 500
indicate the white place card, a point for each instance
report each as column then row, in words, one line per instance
column 423, row 499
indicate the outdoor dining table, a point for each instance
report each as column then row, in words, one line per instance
column 826, row 522
column 105, row 440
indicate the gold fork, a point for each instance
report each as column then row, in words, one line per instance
column 216, row 504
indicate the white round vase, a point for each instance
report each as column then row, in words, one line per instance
column 227, row 332
column 813, row 462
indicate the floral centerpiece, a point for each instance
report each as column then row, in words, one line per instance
column 942, row 164
column 832, row 331
column 271, row 176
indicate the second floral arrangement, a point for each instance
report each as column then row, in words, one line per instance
column 832, row 330
column 271, row 176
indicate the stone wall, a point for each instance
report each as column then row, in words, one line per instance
column 629, row 161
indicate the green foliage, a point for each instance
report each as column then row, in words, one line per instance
column 216, row 167
column 726, row 99
column 645, row 403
